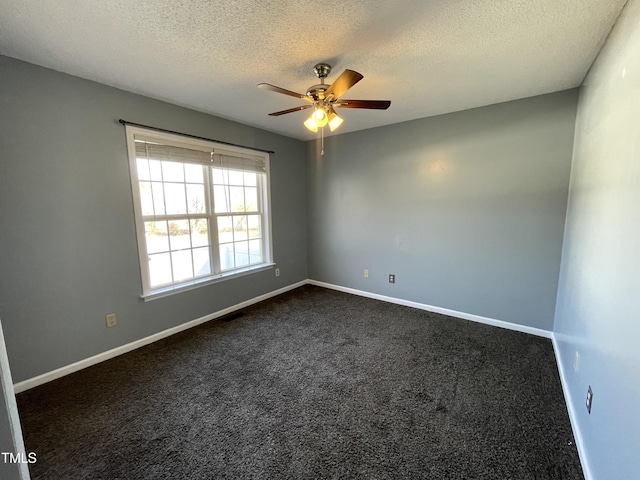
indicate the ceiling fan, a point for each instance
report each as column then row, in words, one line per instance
column 325, row 98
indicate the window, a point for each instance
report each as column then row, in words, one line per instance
column 201, row 209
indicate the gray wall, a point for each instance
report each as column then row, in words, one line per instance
column 598, row 308
column 467, row 209
column 68, row 252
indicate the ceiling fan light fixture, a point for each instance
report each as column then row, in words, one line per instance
column 324, row 97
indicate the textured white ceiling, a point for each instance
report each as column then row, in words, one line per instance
column 428, row 57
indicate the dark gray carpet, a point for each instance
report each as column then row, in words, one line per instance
column 313, row 384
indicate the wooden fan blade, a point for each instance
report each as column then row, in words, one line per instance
column 373, row 104
column 344, row 82
column 290, row 110
column 273, row 88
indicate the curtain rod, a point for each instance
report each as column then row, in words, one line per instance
column 125, row 122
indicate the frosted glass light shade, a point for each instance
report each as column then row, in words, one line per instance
column 311, row 124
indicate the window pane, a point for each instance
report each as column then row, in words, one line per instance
column 255, row 251
column 201, row 262
column 225, row 230
column 172, row 172
column 250, row 179
column 220, row 176
column 240, row 230
column 175, row 199
column 237, row 199
column 179, row 234
column 242, row 254
column 159, row 269
column 251, row 199
column 226, row 256
column 158, row 198
column 182, row 267
column 157, row 238
column 221, row 199
column 193, row 173
column 146, row 198
column 199, row 232
column 195, row 198
column 155, row 168
column 254, row 226
column 236, row 177
column 143, row 169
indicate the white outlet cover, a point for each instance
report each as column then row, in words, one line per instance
column 111, row 320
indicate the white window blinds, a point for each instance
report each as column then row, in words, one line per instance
column 154, row 151
column 214, row 158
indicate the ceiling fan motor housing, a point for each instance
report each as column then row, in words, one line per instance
column 317, row 91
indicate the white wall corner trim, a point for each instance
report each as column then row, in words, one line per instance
column 575, row 426
column 101, row 357
column 12, row 408
column 444, row 311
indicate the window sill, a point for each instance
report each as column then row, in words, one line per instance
column 201, row 282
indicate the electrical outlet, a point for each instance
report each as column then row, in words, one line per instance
column 589, row 399
column 366, row 273
column 392, row 278
column 277, row 272
column 576, row 362
column 111, row 320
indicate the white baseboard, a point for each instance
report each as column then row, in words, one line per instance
column 496, row 323
column 101, row 357
column 445, row 311
column 74, row 367
column 577, row 433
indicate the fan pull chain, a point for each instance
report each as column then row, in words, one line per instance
column 322, row 141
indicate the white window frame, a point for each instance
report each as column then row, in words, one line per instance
column 134, row 133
